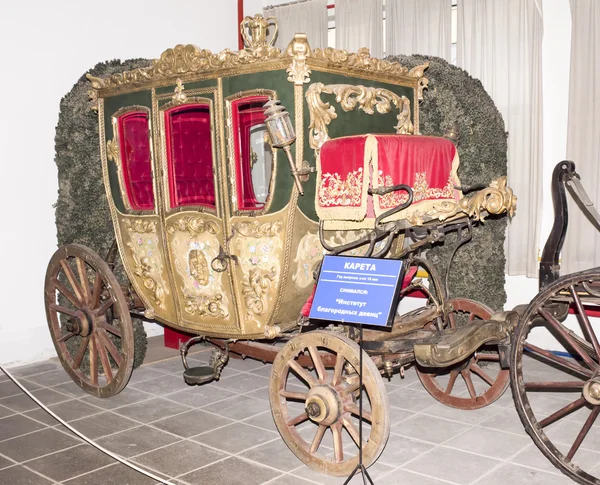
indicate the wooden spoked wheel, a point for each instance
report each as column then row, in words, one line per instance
column 555, row 375
column 477, row 381
column 313, row 390
column 89, row 320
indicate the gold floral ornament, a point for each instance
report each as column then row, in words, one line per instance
column 143, row 270
column 255, row 289
column 495, row 199
column 140, row 226
column 257, row 229
column 351, row 97
column 112, row 150
column 204, row 305
column 299, row 50
column 337, row 192
column 193, row 226
column 198, row 266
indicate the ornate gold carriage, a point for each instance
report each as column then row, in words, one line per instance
column 221, row 221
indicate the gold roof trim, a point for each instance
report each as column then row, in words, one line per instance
column 183, row 60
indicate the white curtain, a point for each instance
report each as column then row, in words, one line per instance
column 582, row 244
column 500, row 42
column 359, row 23
column 419, row 27
column 307, row 17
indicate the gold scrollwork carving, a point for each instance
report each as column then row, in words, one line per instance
column 258, row 229
column 255, row 289
column 361, row 60
column 143, row 269
column 198, row 266
column 350, row 97
column 141, row 226
column 193, row 226
column 204, row 305
column 495, row 199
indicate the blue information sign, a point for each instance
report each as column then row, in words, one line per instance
column 357, row 290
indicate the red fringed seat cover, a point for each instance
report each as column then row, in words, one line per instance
column 348, row 166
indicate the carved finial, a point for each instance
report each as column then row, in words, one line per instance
column 97, row 83
column 299, row 50
column 254, row 31
column 179, row 97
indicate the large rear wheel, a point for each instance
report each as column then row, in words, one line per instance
column 89, row 320
column 555, row 375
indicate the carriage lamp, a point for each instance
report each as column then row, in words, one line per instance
column 282, row 133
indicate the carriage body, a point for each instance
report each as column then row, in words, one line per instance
column 212, row 231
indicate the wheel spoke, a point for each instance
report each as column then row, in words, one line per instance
column 338, row 446
column 352, row 431
column 80, row 353
column 97, row 289
column 352, row 387
column 104, row 359
column 563, row 363
column 584, row 431
column 105, row 306
column 108, row 327
column 585, row 322
column 66, row 293
column 62, row 309
column 451, row 381
column 318, row 362
column 302, row 373
column 93, row 363
column 337, row 370
column 554, row 323
column 109, row 345
column 466, row 375
column 71, row 277
column 481, row 373
column 66, row 336
column 562, row 412
column 316, row 442
column 301, row 396
column 85, row 283
column 552, row 386
column 297, row 420
column 353, row 408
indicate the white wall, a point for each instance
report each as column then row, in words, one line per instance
column 47, row 47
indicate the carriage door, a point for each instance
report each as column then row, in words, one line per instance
column 256, row 234
column 193, row 222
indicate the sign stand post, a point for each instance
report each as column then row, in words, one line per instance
column 360, row 467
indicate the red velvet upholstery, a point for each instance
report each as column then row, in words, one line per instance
column 189, row 155
column 349, row 165
column 246, row 113
column 135, row 157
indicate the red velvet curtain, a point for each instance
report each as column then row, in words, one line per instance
column 189, row 156
column 135, row 156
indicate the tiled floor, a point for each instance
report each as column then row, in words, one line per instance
column 223, row 434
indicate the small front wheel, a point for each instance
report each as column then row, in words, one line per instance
column 312, row 406
column 89, row 320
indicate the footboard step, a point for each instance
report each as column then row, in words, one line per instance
column 199, row 375
column 454, row 345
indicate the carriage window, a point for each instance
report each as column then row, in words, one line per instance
column 253, row 155
column 135, row 157
column 189, row 155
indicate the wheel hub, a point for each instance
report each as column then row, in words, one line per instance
column 323, row 405
column 591, row 391
column 81, row 324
